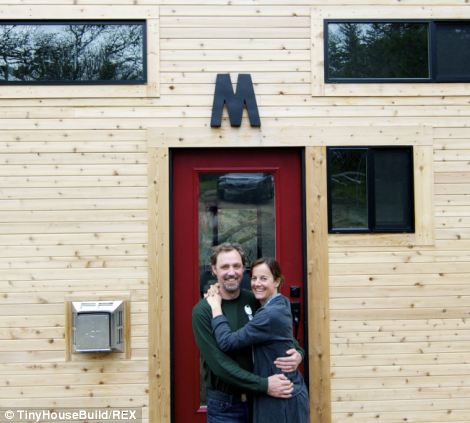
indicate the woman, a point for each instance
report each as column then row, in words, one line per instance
column 270, row 333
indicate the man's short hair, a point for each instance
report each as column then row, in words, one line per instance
column 226, row 247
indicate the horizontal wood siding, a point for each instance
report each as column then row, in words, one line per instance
column 74, row 216
column 73, row 221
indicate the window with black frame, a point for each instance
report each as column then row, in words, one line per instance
column 370, row 189
column 397, row 51
column 452, row 44
column 72, row 52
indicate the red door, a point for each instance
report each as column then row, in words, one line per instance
column 251, row 196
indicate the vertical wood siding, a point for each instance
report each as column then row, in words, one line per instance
column 74, row 215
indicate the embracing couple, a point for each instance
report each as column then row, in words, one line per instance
column 248, row 353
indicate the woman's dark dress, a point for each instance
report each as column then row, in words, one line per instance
column 270, row 333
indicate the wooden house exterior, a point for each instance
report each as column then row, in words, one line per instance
column 86, row 210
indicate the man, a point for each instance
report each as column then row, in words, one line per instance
column 227, row 376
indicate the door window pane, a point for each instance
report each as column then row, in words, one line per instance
column 393, row 188
column 377, row 50
column 348, row 188
column 236, row 207
column 72, row 52
column 452, row 47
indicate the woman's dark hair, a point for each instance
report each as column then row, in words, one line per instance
column 274, row 268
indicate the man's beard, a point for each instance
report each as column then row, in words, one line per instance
column 231, row 285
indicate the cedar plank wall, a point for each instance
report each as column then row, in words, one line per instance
column 73, row 213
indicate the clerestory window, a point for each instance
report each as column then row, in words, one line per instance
column 396, row 51
column 73, row 52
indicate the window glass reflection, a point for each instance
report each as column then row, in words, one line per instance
column 370, row 189
column 377, row 50
column 72, row 52
column 236, row 207
column 348, row 186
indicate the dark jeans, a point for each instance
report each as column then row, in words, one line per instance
column 224, row 408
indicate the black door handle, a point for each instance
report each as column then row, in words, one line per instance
column 294, row 291
column 295, row 310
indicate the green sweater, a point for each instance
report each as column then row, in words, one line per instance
column 226, row 372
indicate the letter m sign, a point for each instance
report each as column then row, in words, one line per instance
column 244, row 96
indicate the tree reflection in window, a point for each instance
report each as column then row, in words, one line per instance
column 370, row 189
column 73, row 52
column 348, row 188
column 374, row 50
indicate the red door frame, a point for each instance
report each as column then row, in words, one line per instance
column 286, row 165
